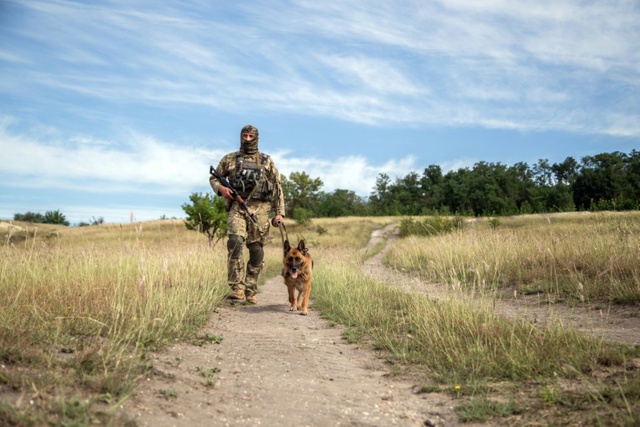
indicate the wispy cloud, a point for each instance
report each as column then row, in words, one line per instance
column 442, row 63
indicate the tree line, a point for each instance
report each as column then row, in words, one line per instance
column 606, row 181
column 49, row 217
column 52, row 217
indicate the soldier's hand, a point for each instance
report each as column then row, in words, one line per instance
column 277, row 220
column 225, row 192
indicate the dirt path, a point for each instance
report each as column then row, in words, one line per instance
column 277, row 368
column 615, row 323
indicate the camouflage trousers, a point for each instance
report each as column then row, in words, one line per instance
column 244, row 232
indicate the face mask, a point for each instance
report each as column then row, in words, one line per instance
column 251, row 146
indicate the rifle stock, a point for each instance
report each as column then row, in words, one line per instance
column 225, row 183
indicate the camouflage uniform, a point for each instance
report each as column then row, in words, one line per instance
column 262, row 198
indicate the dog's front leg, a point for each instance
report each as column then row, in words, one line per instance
column 304, row 296
column 292, row 298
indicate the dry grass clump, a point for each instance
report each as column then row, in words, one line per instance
column 584, row 256
column 85, row 307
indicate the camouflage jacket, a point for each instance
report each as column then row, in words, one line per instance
column 228, row 167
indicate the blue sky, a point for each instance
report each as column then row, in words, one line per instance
column 114, row 108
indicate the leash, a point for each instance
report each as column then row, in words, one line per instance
column 284, row 234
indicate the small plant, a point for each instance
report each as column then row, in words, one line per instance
column 550, row 391
column 207, row 373
column 207, row 339
column 428, row 388
column 481, row 409
column 494, row 223
column 74, row 409
column 168, row 394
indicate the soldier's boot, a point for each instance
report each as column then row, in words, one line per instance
column 251, row 282
column 236, row 294
column 235, row 273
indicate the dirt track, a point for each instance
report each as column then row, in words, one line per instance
column 277, row 368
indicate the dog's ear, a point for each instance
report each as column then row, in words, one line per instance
column 287, row 246
column 302, row 248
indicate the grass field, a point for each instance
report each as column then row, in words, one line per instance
column 83, row 307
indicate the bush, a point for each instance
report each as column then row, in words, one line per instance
column 206, row 214
column 49, row 217
column 55, row 217
column 302, row 215
column 430, row 226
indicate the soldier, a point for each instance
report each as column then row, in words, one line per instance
column 255, row 178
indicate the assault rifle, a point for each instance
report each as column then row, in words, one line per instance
column 225, row 183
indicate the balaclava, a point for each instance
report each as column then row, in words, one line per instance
column 249, row 147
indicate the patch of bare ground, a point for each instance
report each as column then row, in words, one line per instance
column 618, row 323
column 274, row 367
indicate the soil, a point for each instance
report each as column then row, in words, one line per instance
column 274, row 367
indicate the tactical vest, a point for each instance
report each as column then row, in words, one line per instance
column 249, row 179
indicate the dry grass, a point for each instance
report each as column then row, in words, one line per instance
column 88, row 303
column 583, row 256
column 82, row 307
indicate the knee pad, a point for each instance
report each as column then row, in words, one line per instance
column 234, row 246
column 256, row 254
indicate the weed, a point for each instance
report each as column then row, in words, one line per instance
column 207, row 373
column 207, row 339
column 168, row 394
column 428, row 388
column 494, row 222
column 482, row 409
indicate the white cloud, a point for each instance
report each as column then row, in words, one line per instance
column 141, row 163
column 355, row 173
column 147, row 165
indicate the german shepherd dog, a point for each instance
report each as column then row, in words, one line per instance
column 297, row 275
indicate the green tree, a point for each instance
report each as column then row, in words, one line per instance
column 300, row 191
column 341, row 203
column 206, row 214
column 566, row 172
column 55, row 217
column 408, row 196
column 381, row 198
column 432, row 186
column 601, row 178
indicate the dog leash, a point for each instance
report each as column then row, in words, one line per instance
column 284, row 234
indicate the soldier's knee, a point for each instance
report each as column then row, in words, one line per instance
column 234, row 245
column 256, row 254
